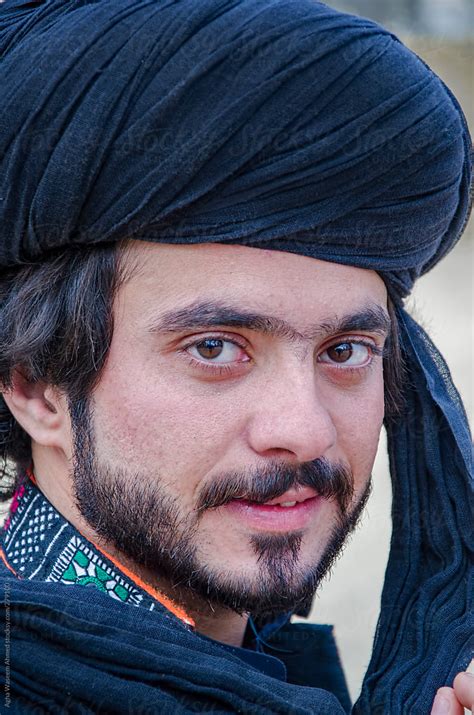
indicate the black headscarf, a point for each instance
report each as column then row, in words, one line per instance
column 280, row 124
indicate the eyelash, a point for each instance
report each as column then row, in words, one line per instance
column 216, row 368
column 228, row 368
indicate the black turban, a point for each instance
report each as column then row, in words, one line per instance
column 280, row 124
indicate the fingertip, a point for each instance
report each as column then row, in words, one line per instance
column 464, row 689
column 464, row 677
column 443, row 701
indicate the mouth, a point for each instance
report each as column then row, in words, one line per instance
column 291, row 511
column 291, row 498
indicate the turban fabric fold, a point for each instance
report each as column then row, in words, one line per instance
column 279, row 124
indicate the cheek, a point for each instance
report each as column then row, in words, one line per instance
column 358, row 418
column 157, row 424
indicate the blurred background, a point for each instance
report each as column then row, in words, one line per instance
column 436, row 18
column 441, row 33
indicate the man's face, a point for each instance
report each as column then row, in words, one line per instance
column 229, row 443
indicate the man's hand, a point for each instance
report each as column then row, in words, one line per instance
column 452, row 701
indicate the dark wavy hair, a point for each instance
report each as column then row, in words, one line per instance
column 56, row 325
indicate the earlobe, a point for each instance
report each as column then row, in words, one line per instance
column 38, row 408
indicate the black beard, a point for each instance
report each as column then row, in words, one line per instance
column 133, row 512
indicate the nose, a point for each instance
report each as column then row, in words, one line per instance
column 289, row 418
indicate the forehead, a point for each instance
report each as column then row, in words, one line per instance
column 165, row 276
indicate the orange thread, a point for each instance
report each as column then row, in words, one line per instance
column 164, row 600
column 31, row 476
column 4, row 559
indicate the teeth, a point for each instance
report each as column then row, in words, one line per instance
column 288, row 503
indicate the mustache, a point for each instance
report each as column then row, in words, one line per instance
column 329, row 480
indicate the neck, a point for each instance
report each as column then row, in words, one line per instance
column 213, row 621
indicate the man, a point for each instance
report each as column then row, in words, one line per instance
column 211, row 213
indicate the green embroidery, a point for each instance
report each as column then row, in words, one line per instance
column 80, row 565
column 81, row 559
column 72, row 560
column 70, row 574
column 101, row 574
column 121, row 592
column 88, row 580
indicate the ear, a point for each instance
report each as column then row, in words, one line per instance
column 39, row 408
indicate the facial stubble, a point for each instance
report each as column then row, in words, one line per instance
column 133, row 511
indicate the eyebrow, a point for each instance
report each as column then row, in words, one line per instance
column 211, row 314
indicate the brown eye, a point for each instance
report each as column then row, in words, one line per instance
column 210, row 348
column 341, row 352
column 348, row 354
column 215, row 351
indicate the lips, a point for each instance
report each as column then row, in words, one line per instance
column 292, row 497
column 292, row 511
